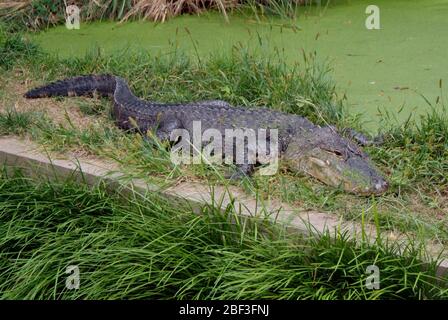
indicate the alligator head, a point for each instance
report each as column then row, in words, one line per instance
column 325, row 155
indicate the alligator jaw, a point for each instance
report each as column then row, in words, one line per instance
column 361, row 179
column 334, row 161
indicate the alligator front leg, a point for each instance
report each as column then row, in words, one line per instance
column 362, row 139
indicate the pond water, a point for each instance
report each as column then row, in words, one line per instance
column 387, row 69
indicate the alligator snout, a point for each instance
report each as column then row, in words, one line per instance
column 353, row 171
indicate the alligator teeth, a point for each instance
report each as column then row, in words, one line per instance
column 319, row 162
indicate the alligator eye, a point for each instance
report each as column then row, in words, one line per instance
column 336, row 152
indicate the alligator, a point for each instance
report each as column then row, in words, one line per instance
column 318, row 151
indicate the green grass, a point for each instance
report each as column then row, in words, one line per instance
column 14, row 122
column 423, row 145
column 12, row 48
column 241, row 77
column 144, row 248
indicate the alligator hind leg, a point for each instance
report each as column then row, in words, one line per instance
column 166, row 127
column 244, row 164
column 163, row 134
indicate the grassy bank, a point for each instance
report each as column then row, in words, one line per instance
column 144, row 248
column 414, row 156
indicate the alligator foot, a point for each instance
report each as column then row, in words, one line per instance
column 362, row 139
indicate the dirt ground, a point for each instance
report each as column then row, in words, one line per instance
column 64, row 112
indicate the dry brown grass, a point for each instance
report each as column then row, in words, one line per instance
column 65, row 112
column 122, row 10
column 160, row 10
column 15, row 5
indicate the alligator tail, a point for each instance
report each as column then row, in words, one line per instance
column 77, row 86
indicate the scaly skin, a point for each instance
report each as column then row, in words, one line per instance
column 318, row 151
